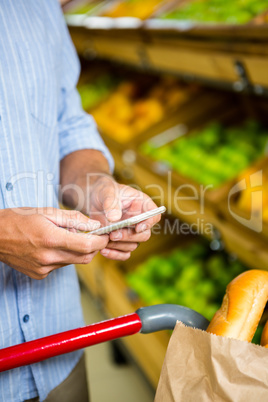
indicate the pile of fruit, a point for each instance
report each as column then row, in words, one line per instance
column 134, row 8
column 260, row 189
column 219, row 11
column 262, row 18
column 96, row 91
column 214, row 154
column 136, row 105
column 84, row 7
column 193, row 277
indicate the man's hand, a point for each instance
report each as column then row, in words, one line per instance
column 111, row 202
column 88, row 171
column 35, row 241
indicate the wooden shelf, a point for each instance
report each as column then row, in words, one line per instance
column 112, row 291
column 205, row 54
column 106, row 281
column 249, row 246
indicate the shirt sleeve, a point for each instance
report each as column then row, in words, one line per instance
column 77, row 129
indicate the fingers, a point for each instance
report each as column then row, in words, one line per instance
column 122, row 246
column 115, row 254
column 110, row 199
column 130, row 235
column 84, row 259
column 135, row 202
column 76, row 242
column 58, row 258
column 71, row 219
column 49, row 261
column 148, row 223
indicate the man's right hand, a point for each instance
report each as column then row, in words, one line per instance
column 35, row 241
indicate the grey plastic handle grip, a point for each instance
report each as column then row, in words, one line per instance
column 164, row 316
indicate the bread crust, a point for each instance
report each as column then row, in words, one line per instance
column 242, row 306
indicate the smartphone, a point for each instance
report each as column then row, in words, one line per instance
column 128, row 222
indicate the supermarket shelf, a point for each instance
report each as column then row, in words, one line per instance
column 227, row 57
column 233, row 59
column 113, row 293
column 216, row 31
column 134, row 168
column 248, row 246
column 106, row 281
column 149, row 350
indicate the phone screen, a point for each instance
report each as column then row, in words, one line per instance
column 128, row 222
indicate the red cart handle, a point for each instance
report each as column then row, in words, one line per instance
column 146, row 320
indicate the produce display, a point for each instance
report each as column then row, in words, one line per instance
column 193, row 277
column 130, row 105
column 218, row 11
column 137, row 104
column 212, row 155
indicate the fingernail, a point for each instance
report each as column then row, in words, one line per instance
column 104, row 252
column 114, row 214
column 116, row 236
column 142, row 228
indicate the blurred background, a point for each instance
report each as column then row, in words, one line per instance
column 179, row 92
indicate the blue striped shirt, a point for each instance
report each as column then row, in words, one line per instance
column 41, row 121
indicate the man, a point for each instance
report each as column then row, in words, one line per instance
column 46, row 139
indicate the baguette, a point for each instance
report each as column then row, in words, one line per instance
column 242, row 306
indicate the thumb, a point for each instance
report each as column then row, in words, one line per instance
column 111, row 203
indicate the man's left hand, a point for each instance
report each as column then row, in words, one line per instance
column 112, row 202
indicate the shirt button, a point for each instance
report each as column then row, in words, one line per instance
column 26, row 318
column 9, row 186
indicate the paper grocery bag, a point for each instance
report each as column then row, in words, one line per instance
column 203, row 367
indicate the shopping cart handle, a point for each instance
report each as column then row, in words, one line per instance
column 145, row 320
column 164, row 316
